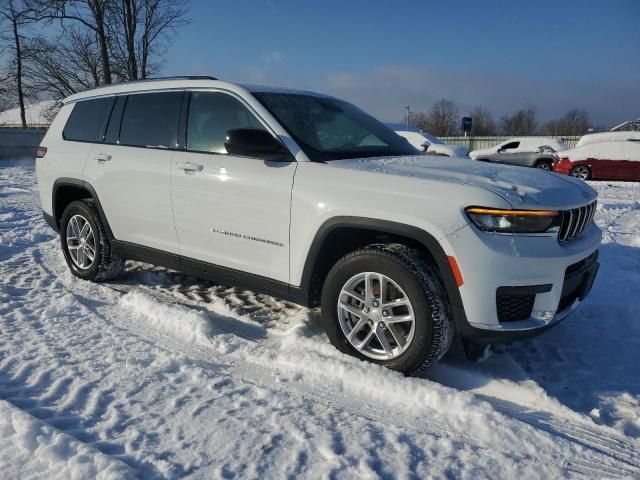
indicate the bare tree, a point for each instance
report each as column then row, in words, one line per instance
column 129, row 36
column 91, row 14
column 574, row 122
column 15, row 14
column 418, row 119
column 65, row 65
column 139, row 32
column 522, row 122
column 443, row 118
column 483, row 123
column 5, row 90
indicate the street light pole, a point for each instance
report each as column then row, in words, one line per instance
column 408, row 115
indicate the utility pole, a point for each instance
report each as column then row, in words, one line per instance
column 408, row 115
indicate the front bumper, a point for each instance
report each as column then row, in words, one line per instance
column 562, row 166
column 560, row 275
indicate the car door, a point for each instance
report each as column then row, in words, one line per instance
column 505, row 153
column 626, row 165
column 131, row 170
column 607, row 160
column 229, row 211
column 632, row 148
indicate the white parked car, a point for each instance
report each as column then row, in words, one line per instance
column 308, row 198
column 428, row 143
column 535, row 152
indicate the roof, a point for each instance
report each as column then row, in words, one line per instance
column 177, row 83
column 617, row 136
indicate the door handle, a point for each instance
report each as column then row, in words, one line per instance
column 102, row 157
column 190, row 167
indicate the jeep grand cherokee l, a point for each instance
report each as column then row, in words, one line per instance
column 308, row 198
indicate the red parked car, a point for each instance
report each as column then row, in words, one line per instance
column 603, row 160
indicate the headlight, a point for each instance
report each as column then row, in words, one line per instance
column 513, row 221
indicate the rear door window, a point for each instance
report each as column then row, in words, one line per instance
column 151, row 120
column 88, row 119
column 211, row 115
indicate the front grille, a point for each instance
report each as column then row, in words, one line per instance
column 575, row 221
column 512, row 308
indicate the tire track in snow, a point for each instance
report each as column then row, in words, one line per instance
column 624, row 463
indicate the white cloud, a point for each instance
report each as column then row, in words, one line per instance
column 272, row 56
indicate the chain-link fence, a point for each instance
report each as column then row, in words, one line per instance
column 474, row 143
column 18, row 143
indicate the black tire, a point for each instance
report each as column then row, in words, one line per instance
column 574, row 172
column 107, row 264
column 544, row 165
column 434, row 329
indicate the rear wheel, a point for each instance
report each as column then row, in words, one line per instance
column 385, row 304
column 581, row 171
column 544, row 165
column 85, row 243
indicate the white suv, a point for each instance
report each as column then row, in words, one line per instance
column 308, row 198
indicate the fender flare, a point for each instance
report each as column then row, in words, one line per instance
column 421, row 236
column 76, row 182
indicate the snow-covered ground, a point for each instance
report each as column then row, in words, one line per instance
column 161, row 375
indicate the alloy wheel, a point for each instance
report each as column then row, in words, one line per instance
column 580, row 172
column 81, row 242
column 376, row 316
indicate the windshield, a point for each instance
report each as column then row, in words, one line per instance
column 432, row 139
column 330, row 129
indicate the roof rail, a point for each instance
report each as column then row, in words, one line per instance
column 155, row 79
column 129, row 82
column 182, row 77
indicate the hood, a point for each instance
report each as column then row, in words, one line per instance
column 451, row 150
column 483, row 151
column 521, row 186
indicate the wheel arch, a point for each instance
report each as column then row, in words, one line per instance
column 540, row 160
column 66, row 190
column 340, row 235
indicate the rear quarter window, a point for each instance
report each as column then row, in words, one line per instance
column 87, row 120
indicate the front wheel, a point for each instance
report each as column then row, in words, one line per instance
column 581, row 171
column 385, row 304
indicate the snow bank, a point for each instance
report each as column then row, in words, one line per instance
column 36, row 114
column 174, row 320
column 33, row 449
column 618, row 150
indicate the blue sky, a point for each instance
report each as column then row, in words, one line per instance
column 384, row 55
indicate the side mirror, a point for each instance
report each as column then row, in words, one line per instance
column 256, row 143
column 500, row 150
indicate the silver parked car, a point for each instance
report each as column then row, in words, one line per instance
column 535, row 152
